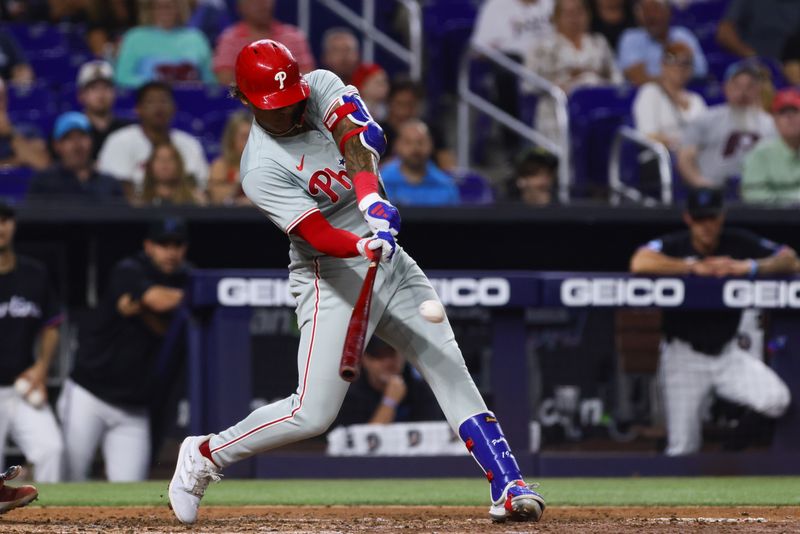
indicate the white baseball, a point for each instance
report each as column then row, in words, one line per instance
column 432, row 310
column 35, row 398
column 22, row 386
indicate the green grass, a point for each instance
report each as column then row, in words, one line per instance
column 716, row 491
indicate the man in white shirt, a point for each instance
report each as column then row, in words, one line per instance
column 512, row 27
column 715, row 143
column 125, row 151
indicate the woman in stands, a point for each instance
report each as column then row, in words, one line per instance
column 662, row 108
column 224, row 184
column 166, row 181
column 163, row 48
column 570, row 58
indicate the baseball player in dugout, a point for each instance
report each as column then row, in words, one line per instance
column 310, row 165
column 106, row 398
column 29, row 310
column 700, row 354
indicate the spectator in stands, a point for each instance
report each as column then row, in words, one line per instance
column 108, row 22
column 341, row 53
column 612, row 17
column 406, row 102
column 772, row 169
column 512, row 27
column 96, row 94
column 163, row 48
column 125, row 151
column 640, row 49
column 372, row 83
column 389, row 390
column 166, row 181
column 412, row 178
column 758, row 28
column 20, row 145
column 224, row 182
column 790, row 56
column 30, row 316
column 14, row 66
column 714, row 144
column 534, row 180
column 73, row 177
column 570, row 57
column 700, row 354
column 662, row 108
column 106, row 397
column 257, row 23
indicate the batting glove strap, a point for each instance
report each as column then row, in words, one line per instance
column 381, row 216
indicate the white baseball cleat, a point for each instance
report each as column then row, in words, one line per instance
column 192, row 475
column 517, row 503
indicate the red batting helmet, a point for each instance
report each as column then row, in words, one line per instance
column 268, row 75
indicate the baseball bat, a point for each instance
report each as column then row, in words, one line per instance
column 350, row 364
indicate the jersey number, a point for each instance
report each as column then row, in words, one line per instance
column 322, row 181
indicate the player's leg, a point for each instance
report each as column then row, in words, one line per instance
column 325, row 299
column 743, row 379
column 685, row 379
column 8, row 401
column 432, row 348
column 126, row 446
column 82, row 423
column 36, row 432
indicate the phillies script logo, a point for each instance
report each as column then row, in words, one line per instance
column 323, row 182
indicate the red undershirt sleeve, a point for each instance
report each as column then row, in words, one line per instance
column 319, row 233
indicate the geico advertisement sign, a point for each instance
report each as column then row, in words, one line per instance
column 472, row 291
column 761, row 293
column 254, row 292
column 275, row 291
column 666, row 292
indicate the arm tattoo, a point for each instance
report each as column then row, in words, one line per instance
column 357, row 158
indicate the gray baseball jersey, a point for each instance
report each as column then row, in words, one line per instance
column 289, row 178
column 723, row 135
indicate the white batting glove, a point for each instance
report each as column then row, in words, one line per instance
column 381, row 240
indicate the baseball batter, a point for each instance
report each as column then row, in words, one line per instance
column 311, row 166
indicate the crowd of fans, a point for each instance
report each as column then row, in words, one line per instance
column 154, row 47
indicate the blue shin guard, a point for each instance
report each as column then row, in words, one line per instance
column 485, row 440
column 512, row 499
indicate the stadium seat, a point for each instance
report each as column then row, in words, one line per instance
column 473, row 188
column 595, row 114
column 14, row 182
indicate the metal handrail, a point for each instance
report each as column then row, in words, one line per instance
column 618, row 189
column 372, row 35
column 467, row 98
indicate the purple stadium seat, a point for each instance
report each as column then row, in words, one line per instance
column 473, row 188
column 595, row 114
column 14, row 183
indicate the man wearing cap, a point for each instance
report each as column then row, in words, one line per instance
column 106, row 398
column 700, row 354
column 96, row 94
column 29, row 312
column 772, row 170
column 714, row 144
column 74, row 177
